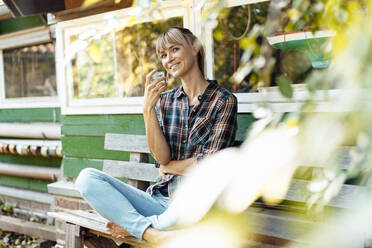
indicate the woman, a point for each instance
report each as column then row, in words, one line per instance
column 183, row 125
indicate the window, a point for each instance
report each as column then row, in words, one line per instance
column 28, row 70
column 233, row 25
column 116, row 65
column 108, row 76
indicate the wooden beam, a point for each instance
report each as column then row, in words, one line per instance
column 131, row 170
column 29, row 228
column 126, row 142
column 346, row 198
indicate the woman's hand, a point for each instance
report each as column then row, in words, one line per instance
column 176, row 167
column 153, row 89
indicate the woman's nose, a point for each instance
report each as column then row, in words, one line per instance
column 170, row 57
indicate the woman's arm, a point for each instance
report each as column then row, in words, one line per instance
column 224, row 128
column 177, row 167
column 154, row 135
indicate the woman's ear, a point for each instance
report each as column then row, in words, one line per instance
column 195, row 48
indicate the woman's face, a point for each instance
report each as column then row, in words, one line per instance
column 177, row 60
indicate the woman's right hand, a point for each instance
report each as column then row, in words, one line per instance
column 153, row 89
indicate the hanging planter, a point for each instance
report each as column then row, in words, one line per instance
column 312, row 44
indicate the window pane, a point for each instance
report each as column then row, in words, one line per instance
column 136, row 55
column 117, row 69
column 232, row 23
column 30, row 71
column 93, row 69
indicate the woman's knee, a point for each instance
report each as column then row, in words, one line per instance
column 84, row 182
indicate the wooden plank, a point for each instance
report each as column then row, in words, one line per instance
column 63, row 188
column 101, row 120
column 75, row 218
column 345, row 199
column 30, row 115
column 73, row 166
column 29, row 228
column 89, row 147
column 92, row 221
column 279, row 225
column 126, row 142
column 24, row 194
column 31, row 160
column 99, row 125
column 131, row 170
column 24, row 183
column 72, row 237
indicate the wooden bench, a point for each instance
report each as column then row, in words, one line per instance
column 81, row 226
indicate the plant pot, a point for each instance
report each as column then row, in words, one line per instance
column 312, row 44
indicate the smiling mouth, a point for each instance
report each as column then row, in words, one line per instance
column 173, row 66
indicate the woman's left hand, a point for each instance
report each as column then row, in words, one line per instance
column 162, row 170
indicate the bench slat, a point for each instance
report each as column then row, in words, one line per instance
column 94, row 222
column 29, row 228
column 131, row 170
column 345, row 199
column 126, row 142
column 74, row 218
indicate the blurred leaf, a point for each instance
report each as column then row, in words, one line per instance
column 95, row 52
column 88, row 3
column 285, row 86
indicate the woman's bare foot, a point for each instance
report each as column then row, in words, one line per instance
column 155, row 236
column 116, row 230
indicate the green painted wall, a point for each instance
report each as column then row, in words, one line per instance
column 30, row 115
column 24, row 183
column 20, row 23
column 83, row 138
column 31, row 160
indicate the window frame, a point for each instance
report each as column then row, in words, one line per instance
column 29, row 37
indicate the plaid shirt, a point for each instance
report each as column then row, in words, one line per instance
column 209, row 127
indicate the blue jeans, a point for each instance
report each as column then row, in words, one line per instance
column 123, row 204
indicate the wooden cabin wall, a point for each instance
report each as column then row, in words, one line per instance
column 83, row 138
column 28, row 116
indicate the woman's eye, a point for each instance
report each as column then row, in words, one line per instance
column 162, row 56
column 175, row 49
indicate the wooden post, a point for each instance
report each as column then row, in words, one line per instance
column 139, row 157
column 73, row 238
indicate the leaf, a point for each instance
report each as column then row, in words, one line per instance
column 285, row 86
column 88, row 3
column 95, row 52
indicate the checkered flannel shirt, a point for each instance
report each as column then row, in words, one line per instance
column 209, row 127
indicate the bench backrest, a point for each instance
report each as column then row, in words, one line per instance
column 137, row 170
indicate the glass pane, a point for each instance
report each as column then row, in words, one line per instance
column 232, row 23
column 107, row 69
column 30, row 71
column 93, row 69
column 136, row 55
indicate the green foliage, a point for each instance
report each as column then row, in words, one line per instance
column 285, row 86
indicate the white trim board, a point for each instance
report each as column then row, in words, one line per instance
column 26, row 194
column 25, row 37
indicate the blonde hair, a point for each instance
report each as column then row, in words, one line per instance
column 180, row 36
